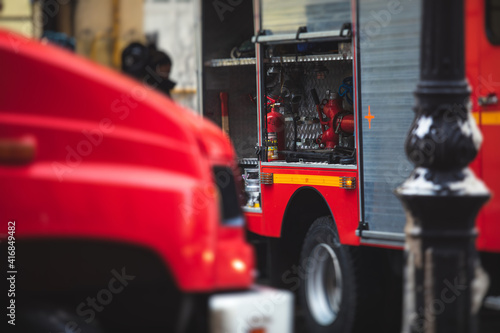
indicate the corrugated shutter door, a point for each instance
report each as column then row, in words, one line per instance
column 389, row 65
column 286, row 16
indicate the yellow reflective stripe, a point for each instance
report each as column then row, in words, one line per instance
column 490, row 118
column 307, row 180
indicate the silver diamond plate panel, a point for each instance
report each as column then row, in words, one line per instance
column 309, row 131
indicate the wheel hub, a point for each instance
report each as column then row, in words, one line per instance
column 323, row 284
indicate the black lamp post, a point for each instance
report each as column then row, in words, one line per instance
column 442, row 197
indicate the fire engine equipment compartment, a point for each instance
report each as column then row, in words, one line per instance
column 313, row 83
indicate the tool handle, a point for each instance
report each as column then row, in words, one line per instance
column 224, row 111
column 223, row 103
column 315, row 96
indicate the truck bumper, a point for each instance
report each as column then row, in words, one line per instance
column 259, row 310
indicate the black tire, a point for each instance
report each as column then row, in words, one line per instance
column 327, row 294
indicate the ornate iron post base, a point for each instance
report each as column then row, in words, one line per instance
column 442, row 197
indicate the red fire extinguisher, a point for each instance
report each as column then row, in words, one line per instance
column 275, row 132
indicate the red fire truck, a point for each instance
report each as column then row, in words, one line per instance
column 119, row 207
column 318, row 115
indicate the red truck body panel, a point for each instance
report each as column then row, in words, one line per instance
column 114, row 160
column 278, row 197
column 483, row 73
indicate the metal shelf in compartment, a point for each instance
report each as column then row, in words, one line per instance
column 310, row 58
column 230, row 62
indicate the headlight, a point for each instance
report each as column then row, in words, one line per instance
column 228, row 197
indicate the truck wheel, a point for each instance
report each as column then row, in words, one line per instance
column 327, row 295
